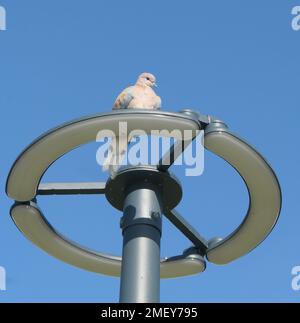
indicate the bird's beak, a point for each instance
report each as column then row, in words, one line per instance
column 155, row 85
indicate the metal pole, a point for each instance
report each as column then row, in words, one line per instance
column 141, row 225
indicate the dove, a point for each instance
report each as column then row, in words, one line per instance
column 138, row 96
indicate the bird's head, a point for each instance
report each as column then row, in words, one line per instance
column 147, row 79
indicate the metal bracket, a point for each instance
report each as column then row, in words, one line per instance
column 71, row 188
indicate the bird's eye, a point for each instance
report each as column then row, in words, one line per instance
column 148, row 78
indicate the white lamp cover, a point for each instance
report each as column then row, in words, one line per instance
column 264, row 196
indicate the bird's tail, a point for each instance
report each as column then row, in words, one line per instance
column 115, row 155
column 109, row 159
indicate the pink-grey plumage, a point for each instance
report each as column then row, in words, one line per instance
column 138, row 96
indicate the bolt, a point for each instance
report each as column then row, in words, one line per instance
column 155, row 214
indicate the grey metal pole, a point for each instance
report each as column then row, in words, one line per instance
column 141, row 225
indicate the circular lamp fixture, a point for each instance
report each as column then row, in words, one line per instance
column 23, row 186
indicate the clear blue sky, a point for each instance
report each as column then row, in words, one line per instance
column 238, row 60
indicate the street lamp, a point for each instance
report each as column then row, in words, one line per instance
column 143, row 194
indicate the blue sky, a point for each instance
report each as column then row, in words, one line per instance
column 238, row 60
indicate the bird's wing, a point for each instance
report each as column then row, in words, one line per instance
column 123, row 99
column 157, row 105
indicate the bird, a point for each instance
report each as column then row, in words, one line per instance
column 138, row 96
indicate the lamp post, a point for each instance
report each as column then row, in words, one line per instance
column 144, row 194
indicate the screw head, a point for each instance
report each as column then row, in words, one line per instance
column 155, row 214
